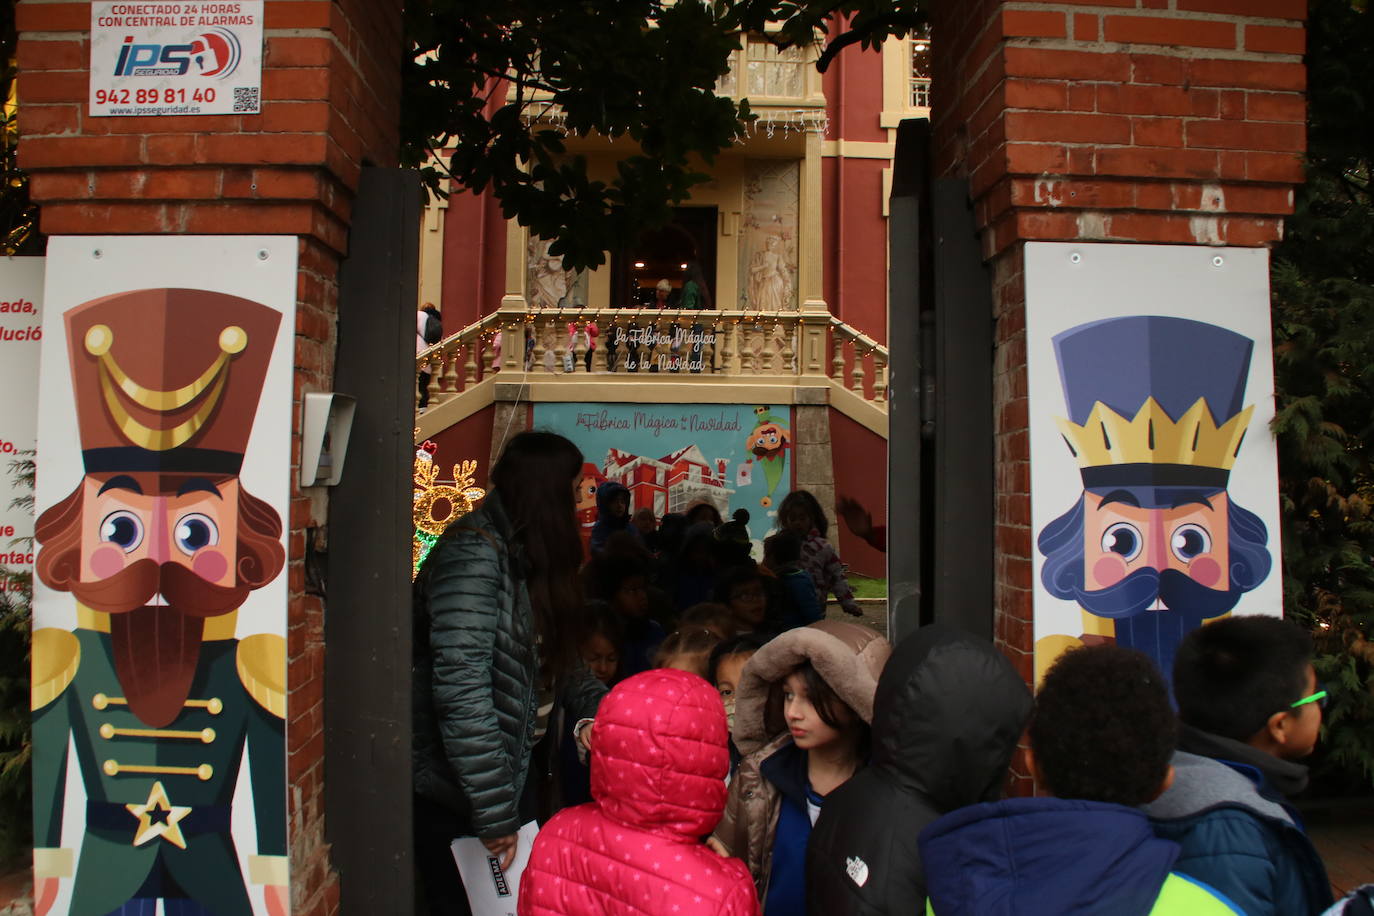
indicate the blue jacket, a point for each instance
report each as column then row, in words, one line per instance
column 1239, row 837
column 1047, row 857
column 798, row 598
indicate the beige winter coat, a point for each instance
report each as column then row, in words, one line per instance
column 849, row 657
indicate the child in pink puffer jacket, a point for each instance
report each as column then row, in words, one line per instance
column 659, row 760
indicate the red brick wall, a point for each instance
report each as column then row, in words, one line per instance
column 331, row 85
column 1123, row 120
column 1163, row 121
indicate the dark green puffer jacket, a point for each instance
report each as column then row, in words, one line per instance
column 475, row 670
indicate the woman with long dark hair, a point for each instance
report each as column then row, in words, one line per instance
column 496, row 611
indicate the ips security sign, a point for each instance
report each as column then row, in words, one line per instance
column 187, row 58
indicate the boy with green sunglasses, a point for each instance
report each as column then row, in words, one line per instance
column 1250, row 709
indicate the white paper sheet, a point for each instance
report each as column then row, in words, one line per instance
column 491, row 891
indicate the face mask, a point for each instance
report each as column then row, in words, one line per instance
column 730, row 713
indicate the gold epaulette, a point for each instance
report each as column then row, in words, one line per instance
column 56, row 656
column 262, row 669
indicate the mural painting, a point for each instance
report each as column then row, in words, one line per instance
column 159, row 652
column 587, row 483
column 672, row 456
column 768, row 445
column 1154, row 481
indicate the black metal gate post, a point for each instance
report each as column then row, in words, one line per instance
column 908, row 295
column 367, row 609
column 940, row 436
column 962, row 514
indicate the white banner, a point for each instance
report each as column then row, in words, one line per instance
column 164, row 469
column 188, row 58
column 21, row 333
column 1154, row 480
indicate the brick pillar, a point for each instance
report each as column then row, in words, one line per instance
column 331, row 88
column 1161, row 121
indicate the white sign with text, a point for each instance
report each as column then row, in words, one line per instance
column 187, row 58
column 1154, row 478
column 21, row 334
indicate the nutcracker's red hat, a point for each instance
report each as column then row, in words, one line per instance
column 168, row 380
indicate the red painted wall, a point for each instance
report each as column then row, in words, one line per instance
column 854, row 92
column 854, row 240
column 853, row 228
column 474, row 259
column 470, row 438
column 857, row 454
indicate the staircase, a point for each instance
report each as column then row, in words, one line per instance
column 792, row 357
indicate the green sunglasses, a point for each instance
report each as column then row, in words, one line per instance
column 1319, row 698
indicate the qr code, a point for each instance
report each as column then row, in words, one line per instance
column 246, row 98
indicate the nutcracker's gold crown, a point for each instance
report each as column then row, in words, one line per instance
column 1153, row 437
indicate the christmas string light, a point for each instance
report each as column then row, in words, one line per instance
column 461, row 498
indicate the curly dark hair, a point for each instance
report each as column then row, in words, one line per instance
column 805, row 500
column 1103, row 729
column 732, row 578
column 1232, row 675
column 603, row 576
column 783, row 547
column 599, row 620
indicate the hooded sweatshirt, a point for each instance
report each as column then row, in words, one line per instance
column 849, row 657
column 947, row 715
column 1054, row 857
column 658, row 767
column 1226, row 810
column 692, row 584
column 606, row 523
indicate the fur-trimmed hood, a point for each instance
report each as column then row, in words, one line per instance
column 848, row 656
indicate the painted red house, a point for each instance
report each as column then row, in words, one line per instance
column 671, row 483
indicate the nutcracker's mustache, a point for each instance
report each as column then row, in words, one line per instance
column 148, row 583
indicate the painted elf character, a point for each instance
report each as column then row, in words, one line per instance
column 585, row 500
column 768, row 444
column 1155, row 545
column 159, row 544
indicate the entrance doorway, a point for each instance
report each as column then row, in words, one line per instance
column 665, row 253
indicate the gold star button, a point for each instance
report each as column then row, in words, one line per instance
column 168, row 818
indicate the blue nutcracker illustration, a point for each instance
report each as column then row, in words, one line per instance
column 1155, row 545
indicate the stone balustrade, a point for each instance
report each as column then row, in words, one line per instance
column 461, row 360
column 639, row 345
column 865, row 358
